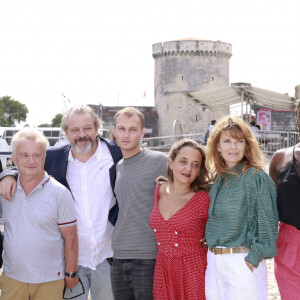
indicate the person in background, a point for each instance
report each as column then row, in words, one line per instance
column 285, row 171
column 133, row 240
column 40, row 245
column 209, row 128
column 86, row 167
column 253, row 126
column 242, row 226
column 178, row 220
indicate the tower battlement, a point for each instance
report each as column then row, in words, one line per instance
column 192, row 47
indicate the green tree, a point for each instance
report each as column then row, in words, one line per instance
column 56, row 121
column 11, row 112
column 44, row 125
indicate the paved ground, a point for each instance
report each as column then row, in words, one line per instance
column 273, row 293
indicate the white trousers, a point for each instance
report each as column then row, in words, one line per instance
column 228, row 278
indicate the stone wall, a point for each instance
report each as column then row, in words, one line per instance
column 108, row 113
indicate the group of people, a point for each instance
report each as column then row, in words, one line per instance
column 111, row 187
column 203, row 232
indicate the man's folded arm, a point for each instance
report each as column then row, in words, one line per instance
column 8, row 182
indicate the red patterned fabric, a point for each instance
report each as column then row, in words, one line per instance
column 287, row 262
column 181, row 261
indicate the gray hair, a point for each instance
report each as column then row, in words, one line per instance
column 29, row 134
column 81, row 109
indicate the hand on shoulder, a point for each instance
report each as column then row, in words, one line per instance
column 161, row 179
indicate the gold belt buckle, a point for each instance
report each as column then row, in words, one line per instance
column 217, row 251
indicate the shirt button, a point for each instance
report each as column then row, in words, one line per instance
column 158, row 244
column 176, row 232
column 176, row 245
column 154, row 230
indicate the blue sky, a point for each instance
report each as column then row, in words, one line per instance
column 101, row 51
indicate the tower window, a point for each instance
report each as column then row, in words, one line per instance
column 212, row 78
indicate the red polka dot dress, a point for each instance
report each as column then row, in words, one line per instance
column 181, row 261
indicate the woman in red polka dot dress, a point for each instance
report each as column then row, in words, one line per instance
column 178, row 220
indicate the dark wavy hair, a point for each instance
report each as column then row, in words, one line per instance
column 201, row 182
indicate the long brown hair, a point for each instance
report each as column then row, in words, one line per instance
column 201, row 182
column 237, row 129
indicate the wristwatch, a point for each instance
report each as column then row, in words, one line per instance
column 72, row 274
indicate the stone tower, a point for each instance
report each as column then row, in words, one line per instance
column 185, row 66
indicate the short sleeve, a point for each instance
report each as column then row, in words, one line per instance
column 66, row 209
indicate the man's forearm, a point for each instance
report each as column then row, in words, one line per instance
column 13, row 171
column 69, row 234
column 71, row 253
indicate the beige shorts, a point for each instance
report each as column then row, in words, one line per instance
column 17, row 290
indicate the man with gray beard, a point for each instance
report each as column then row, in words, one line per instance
column 86, row 168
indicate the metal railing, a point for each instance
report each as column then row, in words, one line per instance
column 164, row 143
column 269, row 141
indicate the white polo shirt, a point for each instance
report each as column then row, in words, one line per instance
column 33, row 243
column 91, row 189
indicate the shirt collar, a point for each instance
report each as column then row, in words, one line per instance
column 42, row 183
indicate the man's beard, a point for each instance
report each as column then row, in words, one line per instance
column 83, row 149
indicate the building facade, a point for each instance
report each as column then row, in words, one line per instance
column 107, row 113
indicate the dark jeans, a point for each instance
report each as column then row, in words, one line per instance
column 132, row 279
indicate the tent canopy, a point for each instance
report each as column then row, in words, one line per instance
column 218, row 98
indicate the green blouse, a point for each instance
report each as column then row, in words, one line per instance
column 243, row 212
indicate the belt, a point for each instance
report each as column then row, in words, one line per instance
column 229, row 250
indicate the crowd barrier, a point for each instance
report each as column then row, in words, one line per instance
column 269, row 141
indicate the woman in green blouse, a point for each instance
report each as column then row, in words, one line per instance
column 242, row 227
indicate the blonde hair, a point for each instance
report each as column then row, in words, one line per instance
column 129, row 112
column 29, row 134
column 237, row 129
column 201, row 182
column 81, row 110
